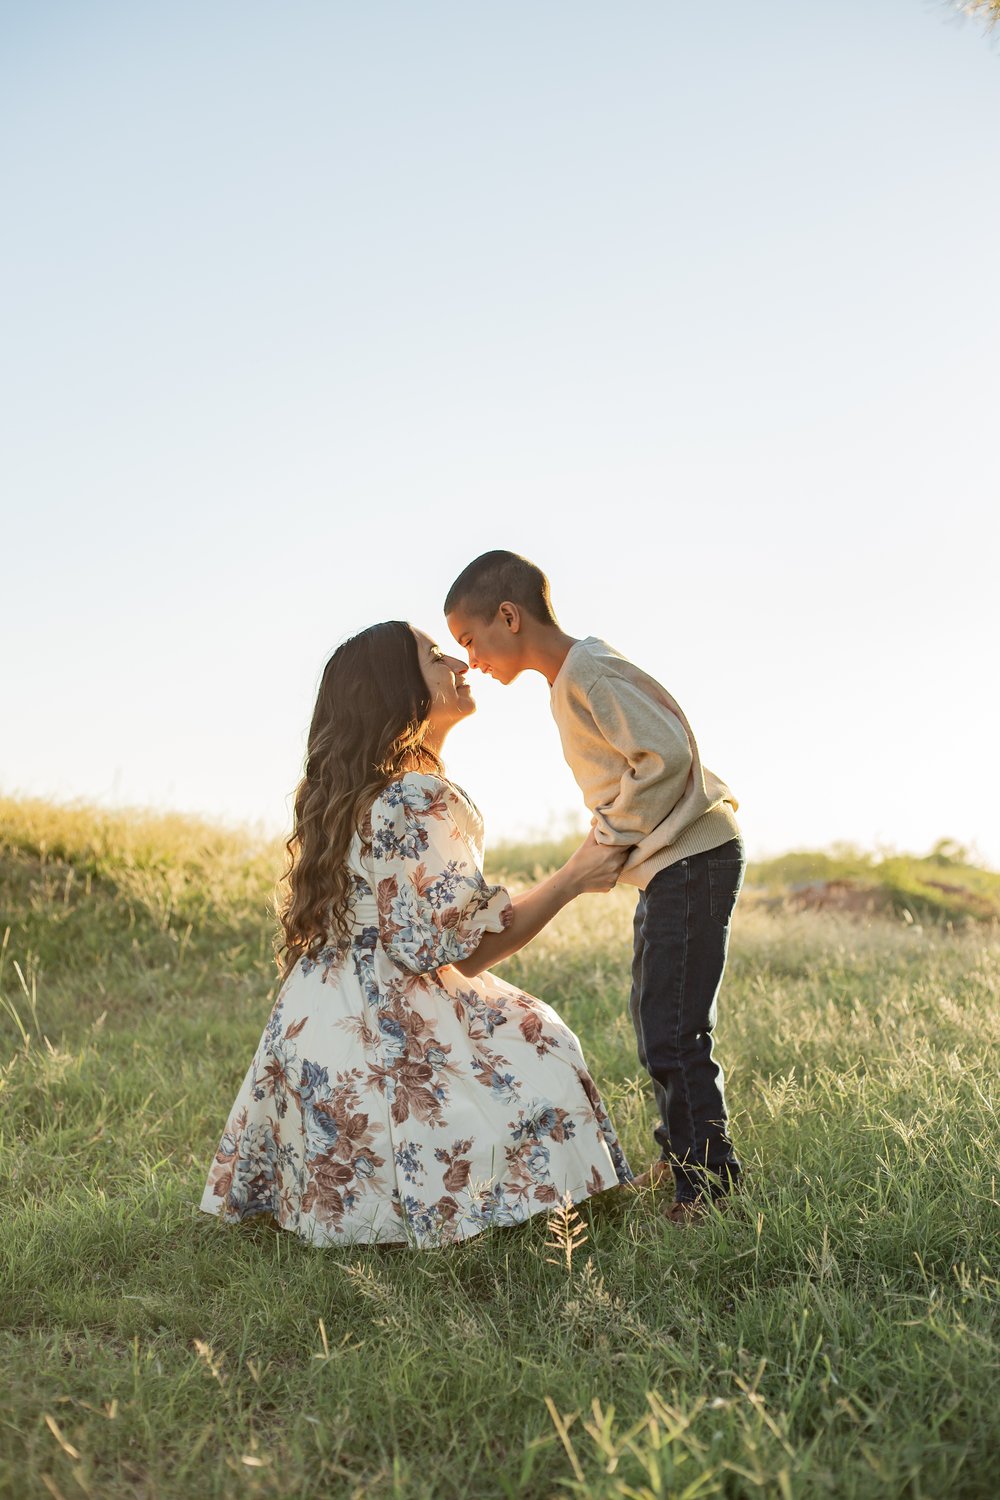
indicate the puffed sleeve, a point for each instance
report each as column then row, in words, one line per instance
column 433, row 903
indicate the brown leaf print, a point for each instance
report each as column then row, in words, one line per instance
column 411, row 1020
column 358, row 1026
column 558, row 1133
column 329, row 1174
column 457, row 1175
column 329, row 1207
column 388, row 890
column 326, row 1179
column 531, row 1027
column 546, row 1193
column 276, row 1077
column 222, row 1183
column 291, row 1032
column 415, row 1072
column 490, row 1063
column 588, row 1085
column 438, row 808
column 590, row 1089
column 595, row 1182
column 425, row 1105
column 404, row 985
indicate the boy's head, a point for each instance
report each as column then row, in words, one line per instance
column 494, row 610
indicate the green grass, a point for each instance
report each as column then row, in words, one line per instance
column 836, row 1335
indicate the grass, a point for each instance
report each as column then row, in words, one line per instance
column 837, row 1335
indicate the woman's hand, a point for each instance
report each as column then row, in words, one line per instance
column 594, row 866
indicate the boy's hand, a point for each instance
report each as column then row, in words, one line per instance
column 594, row 866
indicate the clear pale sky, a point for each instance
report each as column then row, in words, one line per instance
column 306, row 304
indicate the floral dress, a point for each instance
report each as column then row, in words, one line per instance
column 392, row 1099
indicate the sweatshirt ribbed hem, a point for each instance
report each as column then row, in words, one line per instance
column 713, row 828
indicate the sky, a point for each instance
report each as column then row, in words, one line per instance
column 305, row 305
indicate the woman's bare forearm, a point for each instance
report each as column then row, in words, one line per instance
column 592, row 867
column 532, row 912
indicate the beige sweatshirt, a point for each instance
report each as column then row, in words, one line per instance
column 635, row 760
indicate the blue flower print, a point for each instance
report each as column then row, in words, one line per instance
column 387, row 845
column 492, row 1208
column 503, row 1085
column 425, row 1220
column 253, row 1188
column 442, row 891
column 482, row 1018
column 393, row 1036
column 407, row 1158
column 537, row 1161
column 274, row 1021
column 315, row 1080
column 543, row 1119
column 321, row 1130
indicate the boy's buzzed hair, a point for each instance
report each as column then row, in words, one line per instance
column 493, row 577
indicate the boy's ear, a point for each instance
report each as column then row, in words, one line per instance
column 510, row 615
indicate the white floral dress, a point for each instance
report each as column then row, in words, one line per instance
column 392, row 1099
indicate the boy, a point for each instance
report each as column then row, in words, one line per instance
column 635, row 759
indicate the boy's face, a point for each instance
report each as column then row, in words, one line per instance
column 494, row 646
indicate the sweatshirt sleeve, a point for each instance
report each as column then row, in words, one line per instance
column 655, row 745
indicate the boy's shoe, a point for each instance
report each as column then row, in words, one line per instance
column 689, row 1211
column 658, row 1175
column 686, row 1212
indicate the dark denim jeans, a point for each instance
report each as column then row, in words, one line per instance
column 681, row 941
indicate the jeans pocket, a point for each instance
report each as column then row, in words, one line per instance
column 725, row 877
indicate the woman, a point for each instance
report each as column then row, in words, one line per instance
column 399, row 1091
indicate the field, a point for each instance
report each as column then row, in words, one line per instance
column 835, row 1333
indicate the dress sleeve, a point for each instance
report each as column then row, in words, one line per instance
column 433, row 904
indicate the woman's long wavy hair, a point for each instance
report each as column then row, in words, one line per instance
column 369, row 725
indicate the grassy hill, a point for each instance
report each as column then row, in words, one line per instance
column 943, row 886
column 834, row 1334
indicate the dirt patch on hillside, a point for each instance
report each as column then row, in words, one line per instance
column 841, row 896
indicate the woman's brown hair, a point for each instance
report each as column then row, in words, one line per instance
column 368, row 727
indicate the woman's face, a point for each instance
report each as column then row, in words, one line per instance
column 451, row 697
